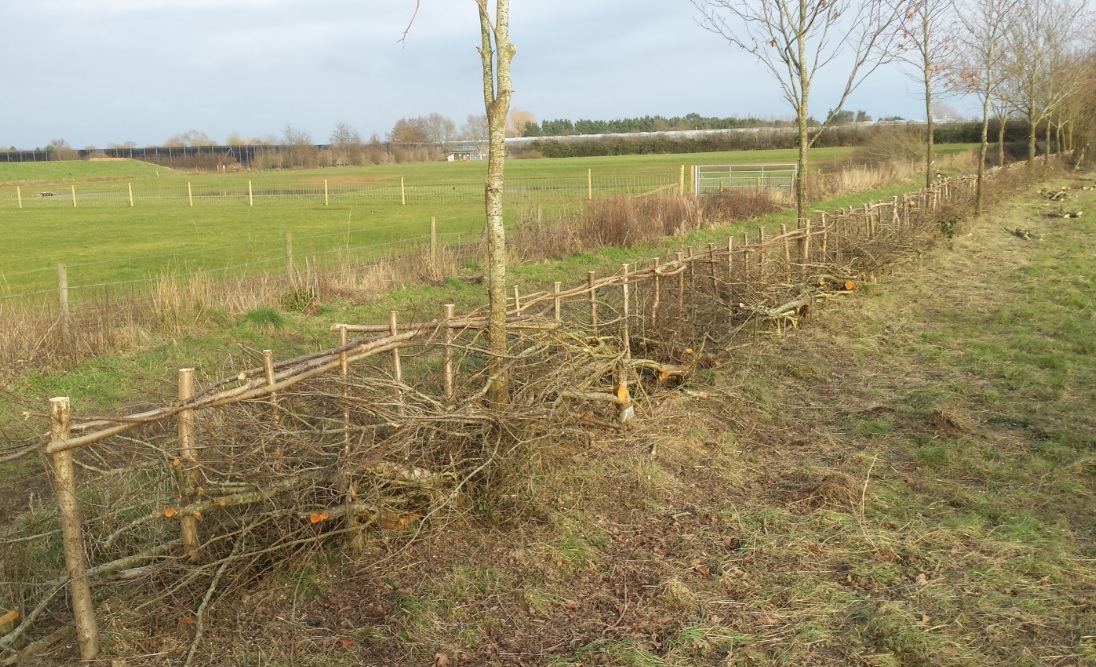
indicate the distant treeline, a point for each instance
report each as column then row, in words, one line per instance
column 565, row 128
column 747, row 138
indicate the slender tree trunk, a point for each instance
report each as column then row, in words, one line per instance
column 496, row 52
column 1001, row 124
column 1046, row 151
column 804, row 135
column 927, row 69
column 982, row 148
column 1031, row 136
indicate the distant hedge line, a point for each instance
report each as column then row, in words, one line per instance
column 752, row 139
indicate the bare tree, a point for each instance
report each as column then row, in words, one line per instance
column 795, row 39
column 929, row 48
column 346, row 142
column 440, row 131
column 190, row 138
column 475, row 129
column 496, row 52
column 408, row 131
column 1037, row 43
column 981, row 53
column 519, row 118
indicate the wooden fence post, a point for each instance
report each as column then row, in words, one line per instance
column 761, row 253
column 190, row 194
column 19, row 196
column 745, row 257
column 325, row 200
column 681, row 181
column 589, row 184
column 344, row 374
column 625, row 332
column 593, row 302
column 63, row 298
column 289, row 272
column 403, row 193
column 787, row 253
column 447, row 352
column 268, row 371
column 130, row 194
column 711, row 269
column 517, row 300
column 397, row 368
column 63, row 478
column 805, row 258
column 74, row 196
column 187, row 462
column 680, row 258
column 692, row 268
column 433, row 244
column 657, row 294
column 250, row 195
column 557, row 305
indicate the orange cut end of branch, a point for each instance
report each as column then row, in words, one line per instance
column 622, row 392
column 850, row 285
column 169, row 512
column 663, row 375
column 317, row 517
column 220, row 502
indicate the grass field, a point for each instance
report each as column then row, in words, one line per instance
column 103, row 239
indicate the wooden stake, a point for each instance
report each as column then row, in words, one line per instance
column 557, row 304
column 657, row 295
column 806, row 246
column 589, row 184
column 190, row 194
column 63, row 298
column 250, row 195
column 74, row 196
column 517, row 300
column 745, row 257
column 787, row 254
column 761, row 253
column 344, row 373
column 681, row 181
column 593, row 302
column 290, row 273
column 433, row 244
column 397, row 369
column 187, row 463
column 130, row 194
column 680, row 258
column 625, row 332
column 325, row 201
column 447, row 351
column 19, row 196
column 403, row 193
column 63, row 478
column 268, row 370
column 711, row 269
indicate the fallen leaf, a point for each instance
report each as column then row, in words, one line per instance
column 186, row 620
column 344, row 642
column 441, row 660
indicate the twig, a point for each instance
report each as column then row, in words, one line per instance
column 198, row 624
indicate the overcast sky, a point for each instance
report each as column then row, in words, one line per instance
column 97, row 72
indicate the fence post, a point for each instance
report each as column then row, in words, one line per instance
column 19, row 196
column 268, row 371
column 289, row 258
column 63, row 479
column 589, row 184
column 680, row 257
column 692, row 268
column 681, row 181
column 711, row 269
column 74, row 196
column 403, row 193
column 806, row 256
column 745, row 257
column 625, row 332
column 344, row 374
column 556, row 305
column 188, row 460
column 397, row 369
column 250, row 195
column 130, row 194
column 517, row 300
column 447, row 352
column 325, row 201
column 657, row 294
column 787, row 253
column 730, row 261
column 593, row 302
column 825, row 240
column 433, row 244
column 761, row 252
column 63, row 298
column 189, row 194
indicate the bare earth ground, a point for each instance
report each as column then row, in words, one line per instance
column 909, row 478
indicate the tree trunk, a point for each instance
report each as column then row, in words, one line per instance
column 1031, row 137
column 927, row 70
column 982, row 148
column 1001, row 125
column 496, row 52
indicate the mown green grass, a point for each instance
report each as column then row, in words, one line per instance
column 103, row 239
